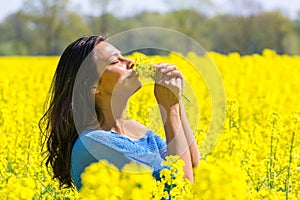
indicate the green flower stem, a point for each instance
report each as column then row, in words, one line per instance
column 186, row 98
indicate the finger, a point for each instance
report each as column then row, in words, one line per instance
column 167, row 82
column 168, row 69
column 160, row 65
column 161, row 78
column 164, row 68
column 179, row 83
column 175, row 73
column 158, row 77
column 176, row 86
column 173, row 81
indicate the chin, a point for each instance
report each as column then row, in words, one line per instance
column 135, row 87
column 128, row 89
column 138, row 88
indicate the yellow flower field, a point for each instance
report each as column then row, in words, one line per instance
column 257, row 155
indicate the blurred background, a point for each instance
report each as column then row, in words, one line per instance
column 45, row 27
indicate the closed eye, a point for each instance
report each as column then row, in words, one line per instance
column 115, row 62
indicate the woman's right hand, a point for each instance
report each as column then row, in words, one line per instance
column 168, row 85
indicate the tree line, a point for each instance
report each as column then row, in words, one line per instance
column 45, row 27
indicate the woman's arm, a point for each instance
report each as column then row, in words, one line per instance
column 179, row 136
column 176, row 140
column 194, row 150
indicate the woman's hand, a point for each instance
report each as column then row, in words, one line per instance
column 167, row 90
column 168, row 85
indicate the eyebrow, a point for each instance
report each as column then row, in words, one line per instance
column 116, row 54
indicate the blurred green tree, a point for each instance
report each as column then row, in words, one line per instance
column 47, row 17
column 271, row 30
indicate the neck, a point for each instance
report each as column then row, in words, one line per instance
column 113, row 108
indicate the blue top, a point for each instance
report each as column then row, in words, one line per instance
column 94, row 145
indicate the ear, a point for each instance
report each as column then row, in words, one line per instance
column 96, row 90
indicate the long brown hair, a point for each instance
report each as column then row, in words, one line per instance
column 57, row 124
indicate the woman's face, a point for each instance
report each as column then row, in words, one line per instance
column 118, row 77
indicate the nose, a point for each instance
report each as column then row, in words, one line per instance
column 129, row 63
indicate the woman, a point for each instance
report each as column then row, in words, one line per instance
column 85, row 119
